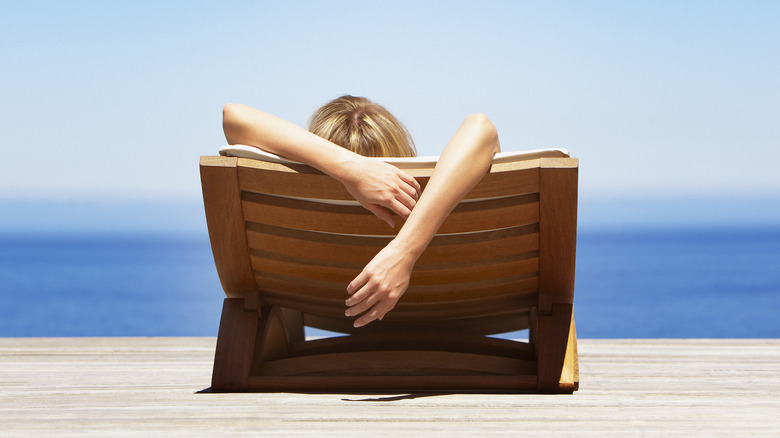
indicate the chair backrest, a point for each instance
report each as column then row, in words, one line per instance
column 296, row 238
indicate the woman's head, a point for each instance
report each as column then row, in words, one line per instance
column 362, row 126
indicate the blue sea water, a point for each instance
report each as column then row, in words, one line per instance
column 631, row 283
column 679, row 283
column 108, row 285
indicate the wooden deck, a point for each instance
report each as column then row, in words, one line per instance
column 155, row 387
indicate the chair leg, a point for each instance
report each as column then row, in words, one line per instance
column 235, row 346
column 556, row 350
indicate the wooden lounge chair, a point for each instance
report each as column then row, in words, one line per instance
column 287, row 239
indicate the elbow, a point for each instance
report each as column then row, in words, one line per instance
column 485, row 130
column 229, row 113
column 481, row 122
column 230, row 121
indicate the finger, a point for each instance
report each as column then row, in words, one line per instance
column 411, row 181
column 407, row 200
column 357, row 283
column 362, row 306
column 409, row 189
column 400, row 208
column 381, row 213
column 377, row 312
column 382, row 315
column 359, row 296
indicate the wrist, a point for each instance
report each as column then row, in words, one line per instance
column 410, row 247
column 345, row 166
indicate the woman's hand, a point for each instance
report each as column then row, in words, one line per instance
column 380, row 285
column 381, row 188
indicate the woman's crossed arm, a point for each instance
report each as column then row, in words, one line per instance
column 465, row 160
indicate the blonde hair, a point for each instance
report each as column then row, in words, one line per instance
column 362, row 126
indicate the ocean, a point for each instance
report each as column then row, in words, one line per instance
column 631, row 283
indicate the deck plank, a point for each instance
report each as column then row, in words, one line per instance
column 154, row 386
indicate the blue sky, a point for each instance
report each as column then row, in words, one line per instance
column 112, row 102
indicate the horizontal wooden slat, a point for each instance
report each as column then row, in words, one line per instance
column 361, row 254
column 455, row 384
column 492, row 214
column 480, row 325
column 498, row 310
column 415, row 341
column 361, row 249
column 419, row 302
column 431, row 265
column 354, row 219
column 530, row 257
column 303, row 181
column 296, row 285
column 342, row 275
column 375, row 241
column 428, row 274
column 507, row 180
column 398, row 363
column 288, row 180
column 331, row 309
column 512, row 303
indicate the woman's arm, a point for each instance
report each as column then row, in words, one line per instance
column 378, row 186
column 465, row 160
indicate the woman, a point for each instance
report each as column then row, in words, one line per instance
column 343, row 133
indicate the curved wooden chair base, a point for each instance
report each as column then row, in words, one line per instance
column 278, row 358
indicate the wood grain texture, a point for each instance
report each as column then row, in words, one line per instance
column 415, row 340
column 154, row 387
column 361, row 249
column 511, row 321
column 224, row 218
column 555, row 343
column 236, row 346
column 454, row 273
column 310, row 215
column 505, row 253
column 506, row 179
column 557, row 231
column 398, row 363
